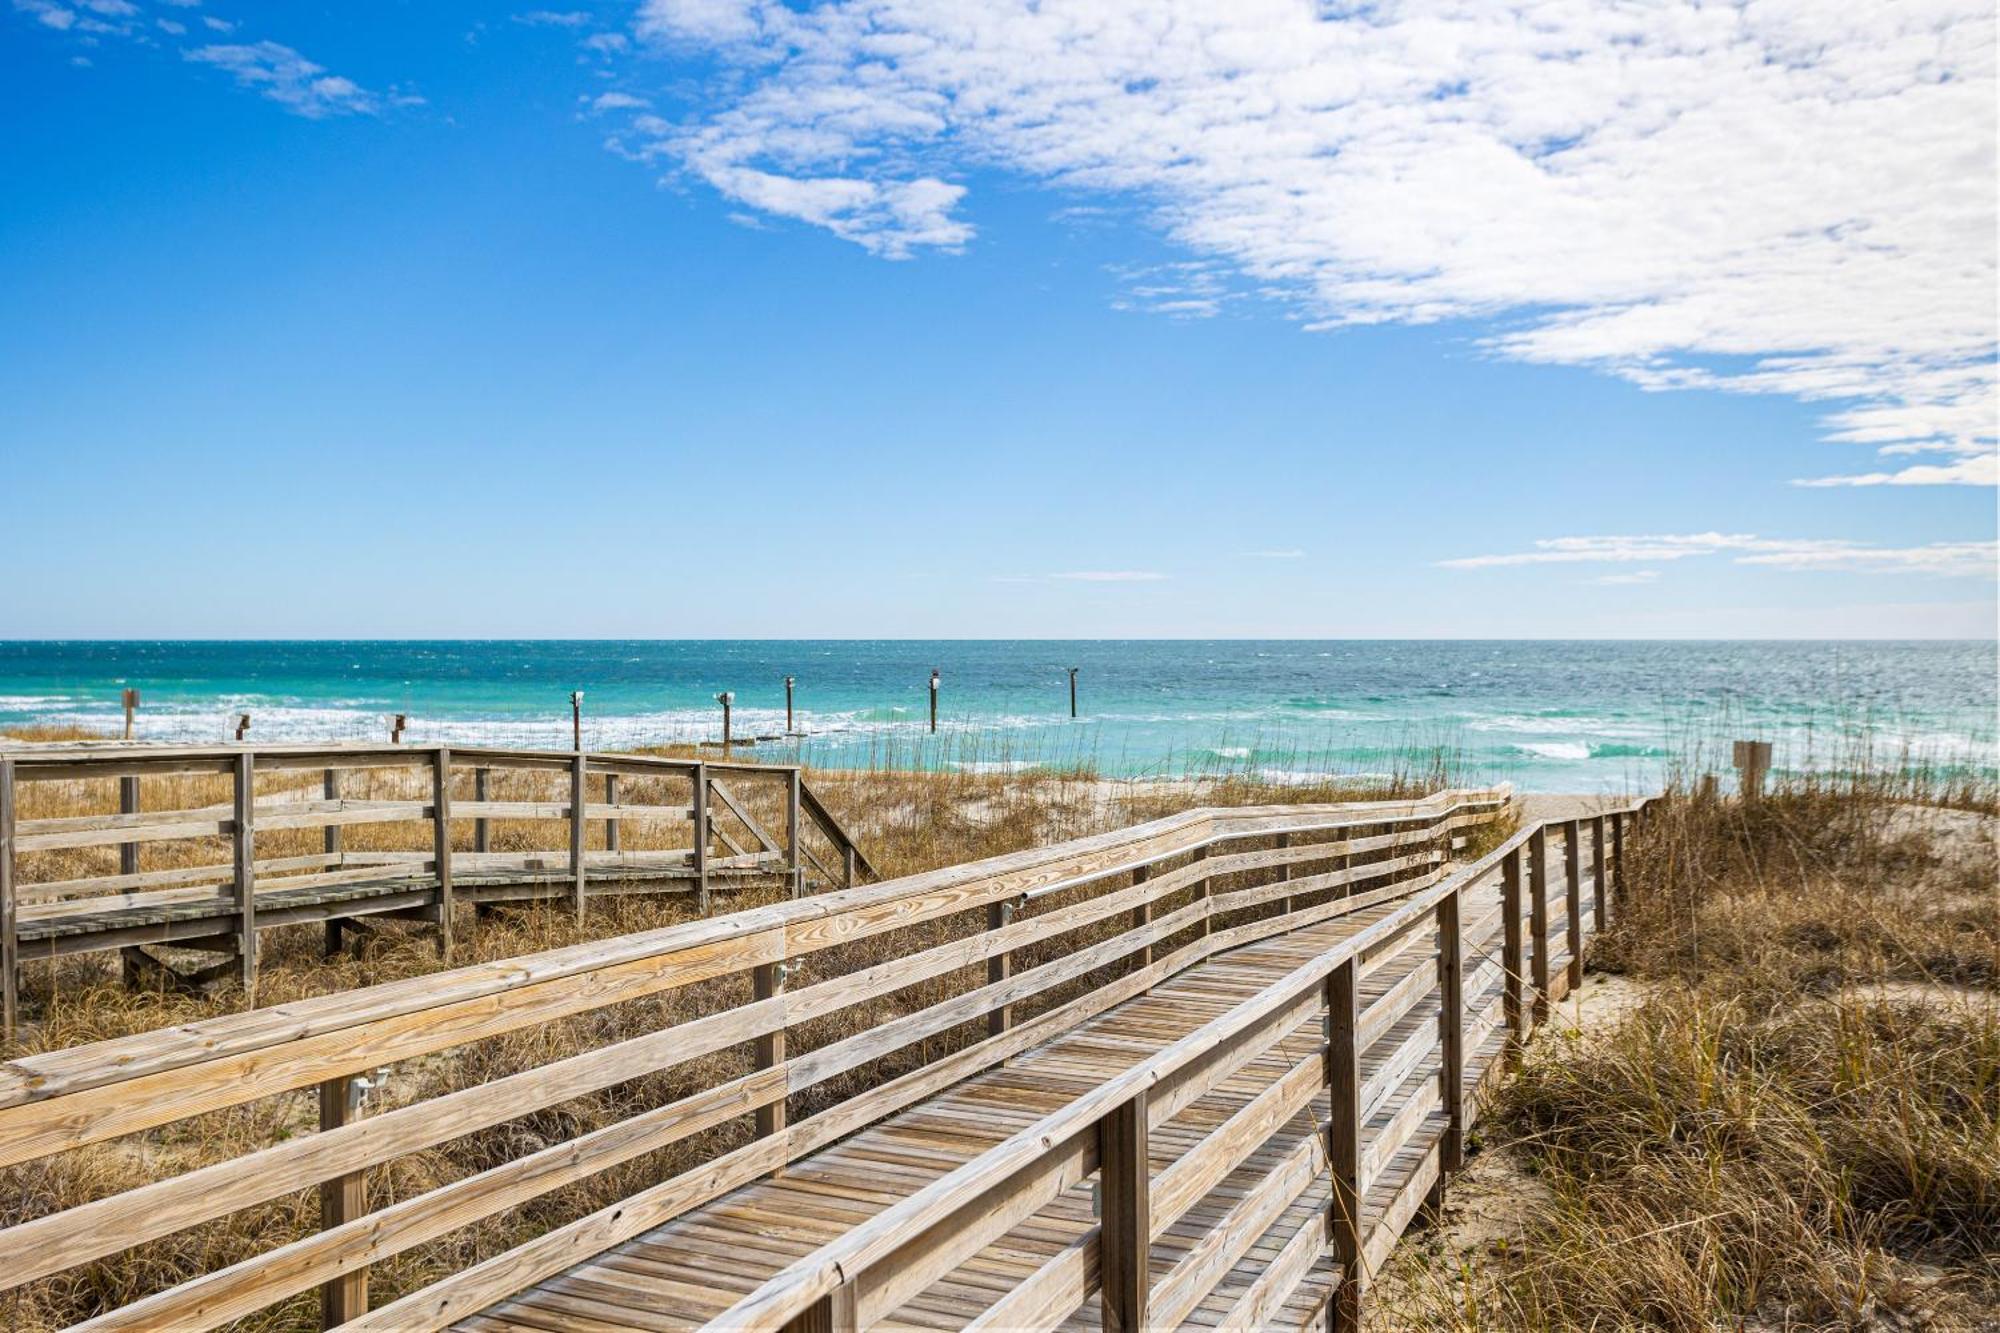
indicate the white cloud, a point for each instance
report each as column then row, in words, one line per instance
column 1776, row 196
column 617, row 102
column 1637, row 576
column 1953, row 558
column 552, row 18
column 1111, row 576
column 288, row 78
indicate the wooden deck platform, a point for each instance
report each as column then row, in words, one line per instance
column 683, row 1274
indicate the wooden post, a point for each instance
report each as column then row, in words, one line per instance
column 1618, row 854
column 1538, row 921
column 131, row 707
column 766, row 981
column 1600, row 898
column 1753, row 761
column 790, row 728
column 401, row 721
column 701, row 838
column 1573, row 895
column 999, row 967
column 1511, row 960
column 934, row 692
column 727, row 700
column 576, row 720
column 10, row 941
column 1142, row 915
column 1072, row 691
column 481, row 830
column 578, row 789
column 1343, row 1143
column 1201, row 894
column 441, row 843
column 1124, row 1191
column 1284, row 840
column 242, row 726
column 793, row 850
column 128, row 804
column 847, row 866
column 341, row 1199
column 1451, row 1032
column 243, row 878
column 611, row 838
column 831, row 1313
column 330, row 843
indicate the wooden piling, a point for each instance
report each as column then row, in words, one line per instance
column 1451, row 1036
column 1600, row 897
column 1511, row 960
column 131, row 698
column 790, row 728
column 611, row 835
column 243, row 871
column 576, row 720
column 999, row 916
column 934, row 697
column 1573, row 895
column 1343, row 1143
column 1072, row 691
column 10, row 942
column 330, row 843
column 766, row 982
column 794, row 849
column 128, row 804
column 701, row 832
column 578, row 790
column 1538, row 922
column 441, row 844
column 481, row 828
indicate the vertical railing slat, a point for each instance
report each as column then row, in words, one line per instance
column 243, row 870
column 794, row 865
column 1538, row 921
column 1451, row 1033
column 128, row 804
column 579, row 788
column 699, row 813
column 10, row 941
column 441, row 844
column 1599, row 894
column 1573, row 897
column 1511, row 959
column 341, row 1200
column 766, row 982
column 1343, row 1141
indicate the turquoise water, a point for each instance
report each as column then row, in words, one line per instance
column 1570, row 716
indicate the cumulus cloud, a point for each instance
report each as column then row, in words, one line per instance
column 288, row 78
column 1766, row 197
column 1952, row 558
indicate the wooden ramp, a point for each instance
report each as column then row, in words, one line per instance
column 1199, row 1072
column 682, row 1275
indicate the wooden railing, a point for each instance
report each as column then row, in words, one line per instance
column 209, row 798
column 859, row 1279
column 1025, row 946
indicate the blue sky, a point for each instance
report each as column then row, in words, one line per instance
column 684, row 320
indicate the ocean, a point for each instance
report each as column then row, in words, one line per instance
column 1549, row 716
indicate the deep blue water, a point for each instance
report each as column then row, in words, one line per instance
column 1548, row 715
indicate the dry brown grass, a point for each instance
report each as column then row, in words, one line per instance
column 1800, row 1127
column 906, row 821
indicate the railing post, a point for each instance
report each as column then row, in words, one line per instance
column 1125, row 1204
column 128, row 804
column 1451, row 1033
column 1343, row 1142
column 831, row 1313
column 611, row 838
column 1599, row 895
column 999, row 967
column 1573, row 893
column 767, row 981
column 1511, row 959
column 700, row 816
column 1618, row 854
column 1285, row 871
column 243, row 877
column 793, row 865
column 847, row 865
column 1203, row 927
column 1142, row 915
column 481, row 792
column 578, row 790
column 441, row 843
column 1538, row 920
column 330, row 842
column 342, row 1199
column 10, row 942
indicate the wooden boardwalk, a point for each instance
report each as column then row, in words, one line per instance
column 683, row 1274
column 1199, row 1072
column 204, row 847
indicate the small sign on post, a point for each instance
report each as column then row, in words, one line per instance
column 131, row 707
column 1753, row 761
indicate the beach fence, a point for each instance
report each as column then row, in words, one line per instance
column 122, row 847
column 1203, row 1070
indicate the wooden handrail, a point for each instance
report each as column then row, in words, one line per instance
column 859, row 1276
column 67, row 1099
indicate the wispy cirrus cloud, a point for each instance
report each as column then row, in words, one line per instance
column 1753, row 198
column 288, row 78
column 1945, row 558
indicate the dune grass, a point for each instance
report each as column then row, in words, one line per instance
column 1799, row 1127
